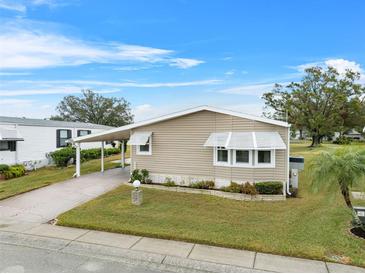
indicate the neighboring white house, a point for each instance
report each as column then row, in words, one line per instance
column 29, row 141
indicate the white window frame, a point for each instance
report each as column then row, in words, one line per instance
column 235, row 164
column 149, row 152
column 219, row 163
column 265, row 165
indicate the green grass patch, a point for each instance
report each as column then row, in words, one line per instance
column 49, row 175
column 315, row 225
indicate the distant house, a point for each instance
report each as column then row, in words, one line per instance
column 205, row 143
column 29, row 141
column 354, row 134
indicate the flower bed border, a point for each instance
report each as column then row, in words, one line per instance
column 218, row 193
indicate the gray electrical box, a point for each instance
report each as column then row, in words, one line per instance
column 296, row 162
column 360, row 212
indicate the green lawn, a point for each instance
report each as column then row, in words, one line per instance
column 315, row 225
column 49, row 175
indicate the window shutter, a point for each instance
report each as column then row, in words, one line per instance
column 69, row 134
column 78, row 133
column 58, row 134
column 12, row 146
column 89, row 132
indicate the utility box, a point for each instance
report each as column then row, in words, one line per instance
column 296, row 162
column 360, row 212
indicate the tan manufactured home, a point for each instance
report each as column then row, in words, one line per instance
column 206, row 143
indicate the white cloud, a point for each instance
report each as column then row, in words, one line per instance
column 342, row 65
column 18, row 87
column 16, row 102
column 12, row 5
column 33, row 48
column 14, row 73
column 230, row 72
column 185, row 63
column 249, row 89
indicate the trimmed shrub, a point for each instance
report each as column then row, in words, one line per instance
column 14, row 172
column 3, row 168
column 233, row 187
column 342, row 140
column 246, row 188
column 169, row 182
column 249, row 189
column 62, row 157
column 136, row 175
column 203, row 185
column 145, row 176
column 269, row 187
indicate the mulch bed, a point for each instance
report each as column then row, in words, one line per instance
column 358, row 231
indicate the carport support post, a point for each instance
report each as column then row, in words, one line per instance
column 77, row 160
column 123, row 154
column 102, row 156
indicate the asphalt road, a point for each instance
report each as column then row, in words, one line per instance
column 15, row 258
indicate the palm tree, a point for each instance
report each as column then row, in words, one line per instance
column 343, row 167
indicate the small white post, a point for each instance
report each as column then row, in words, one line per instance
column 77, row 160
column 123, row 154
column 102, row 156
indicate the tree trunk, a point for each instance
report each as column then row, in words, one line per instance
column 346, row 195
column 316, row 140
column 301, row 134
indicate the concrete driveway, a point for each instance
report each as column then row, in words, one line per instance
column 44, row 204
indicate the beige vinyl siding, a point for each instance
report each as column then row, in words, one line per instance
column 177, row 148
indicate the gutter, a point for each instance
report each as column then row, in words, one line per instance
column 288, row 150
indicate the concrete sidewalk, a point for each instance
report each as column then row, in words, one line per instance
column 165, row 254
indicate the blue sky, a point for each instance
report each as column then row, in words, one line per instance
column 164, row 56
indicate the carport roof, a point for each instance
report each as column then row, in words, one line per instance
column 123, row 133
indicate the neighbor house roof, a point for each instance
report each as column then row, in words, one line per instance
column 123, row 132
column 49, row 123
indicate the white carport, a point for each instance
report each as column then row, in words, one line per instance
column 121, row 134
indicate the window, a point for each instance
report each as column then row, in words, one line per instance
column 145, row 149
column 62, row 136
column 8, row 145
column 83, row 132
column 265, row 158
column 242, row 158
column 222, row 156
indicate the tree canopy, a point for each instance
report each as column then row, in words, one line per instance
column 322, row 103
column 94, row 108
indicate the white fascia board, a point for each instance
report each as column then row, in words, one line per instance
column 178, row 114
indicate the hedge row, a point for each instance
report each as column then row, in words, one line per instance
column 64, row 156
column 10, row 172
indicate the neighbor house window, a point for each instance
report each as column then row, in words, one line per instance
column 83, row 132
column 145, row 149
column 222, row 156
column 265, row 158
column 62, row 136
column 8, row 145
column 242, row 158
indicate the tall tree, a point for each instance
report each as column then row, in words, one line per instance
column 322, row 103
column 94, row 108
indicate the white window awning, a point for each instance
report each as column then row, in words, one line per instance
column 218, row 139
column 10, row 134
column 246, row 140
column 139, row 138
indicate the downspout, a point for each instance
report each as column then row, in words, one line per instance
column 288, row 154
